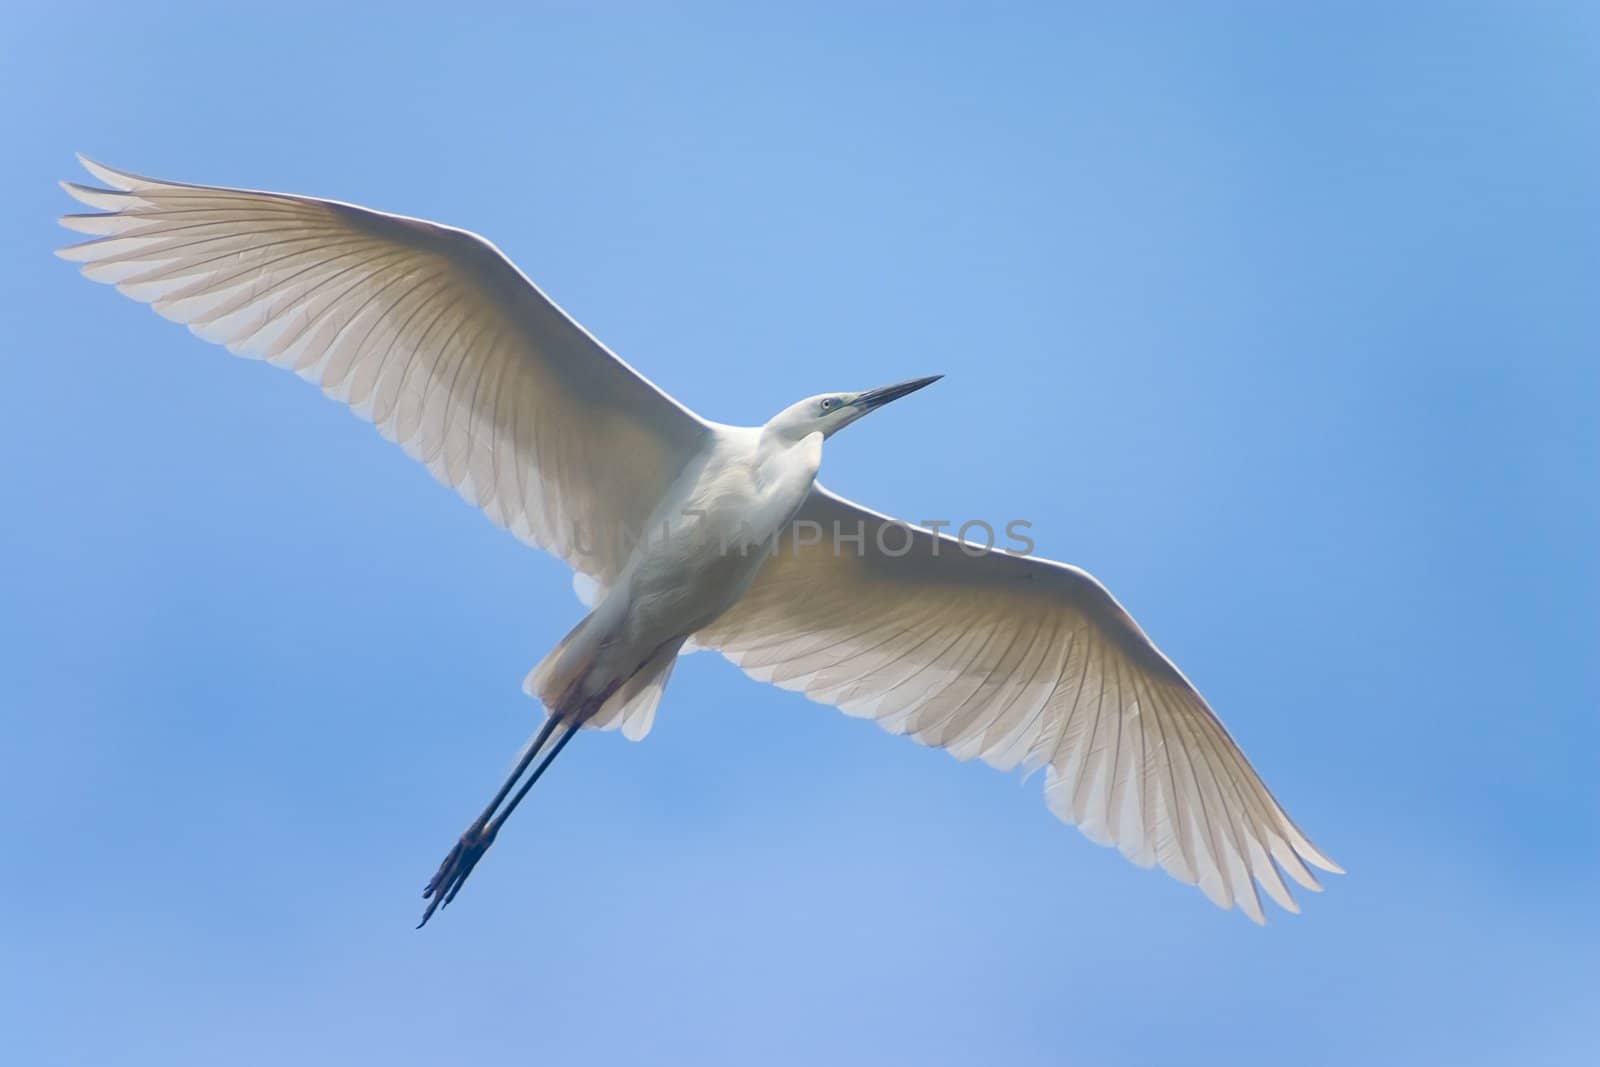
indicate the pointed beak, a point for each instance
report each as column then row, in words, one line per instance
column 876, row 398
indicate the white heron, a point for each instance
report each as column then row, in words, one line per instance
column 685, row 530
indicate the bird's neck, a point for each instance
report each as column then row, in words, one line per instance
column 783, row 456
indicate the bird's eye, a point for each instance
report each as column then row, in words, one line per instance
column 827, row 405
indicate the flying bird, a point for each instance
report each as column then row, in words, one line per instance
column 685, row 533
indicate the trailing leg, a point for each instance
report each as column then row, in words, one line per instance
column 452, row 873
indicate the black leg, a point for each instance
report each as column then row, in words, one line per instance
column 452, row 873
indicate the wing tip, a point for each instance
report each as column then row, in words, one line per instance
column 1305, row 851
column 107, row 200
column 1318, row 860
column 111, row 176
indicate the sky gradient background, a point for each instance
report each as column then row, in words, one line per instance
column 1282, row 325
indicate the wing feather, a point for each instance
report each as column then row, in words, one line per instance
column 426, row 331
column 1019, row 661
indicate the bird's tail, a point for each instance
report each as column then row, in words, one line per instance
column 632, row 708
column 559, row 672
column 570, row 683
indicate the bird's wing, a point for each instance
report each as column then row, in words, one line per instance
column 1018, row 661
column 429, row 332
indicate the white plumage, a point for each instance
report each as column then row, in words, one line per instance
column 434, row 336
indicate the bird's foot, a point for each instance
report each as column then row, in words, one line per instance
column 453, row 872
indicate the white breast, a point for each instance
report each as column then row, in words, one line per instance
column 709, row 538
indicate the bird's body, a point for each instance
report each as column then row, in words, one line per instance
column 694, row 531
column 692, row 560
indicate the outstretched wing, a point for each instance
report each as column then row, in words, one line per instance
column 1018, row 661
column 429, row 332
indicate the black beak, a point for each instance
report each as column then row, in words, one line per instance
column 876, row 398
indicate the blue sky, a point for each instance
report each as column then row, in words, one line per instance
column 1282, row 324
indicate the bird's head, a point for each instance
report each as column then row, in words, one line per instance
column 828, row 413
